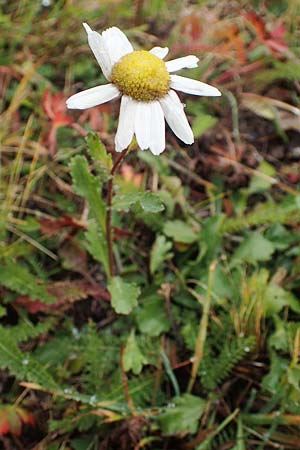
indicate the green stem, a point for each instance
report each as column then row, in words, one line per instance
column 202, row 328
column 109, row 237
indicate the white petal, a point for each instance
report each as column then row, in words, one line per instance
column 160, row 52
column 93, row 97
column 98, row 48
column 187, row 62
column 158, row 135
column 176, row 118
column 149, row 127
column 125, row 129
column 193, row 87
column 116, row 44
column 142, row 124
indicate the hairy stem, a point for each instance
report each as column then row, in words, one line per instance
column 109, row 237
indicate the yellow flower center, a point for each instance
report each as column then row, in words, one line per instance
column 142, row 76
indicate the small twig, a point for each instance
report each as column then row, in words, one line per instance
column 108, row 211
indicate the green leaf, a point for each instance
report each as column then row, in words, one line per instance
column 160, row 253
column 260, row 183
column 254, row 248
column 211, row 237
column 277, row 371
column 182, row 415
column 151, row 203
column 18, row 278
column 280, row 339
column 180, row 231
column 102, row 159
column 202, row 123
column 124, row 202
column 275, row 298
column 89, row 187
column 151, row 316
column 124, row 295
column 147, row 201
column 96, row 244
column 293, row 376
column 133, row 358
column 2, row 311
column 21, row 364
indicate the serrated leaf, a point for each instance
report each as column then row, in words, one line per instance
column 148, row 202
column 151, row 203
column 254, row 248
column 124, row 202
column 133, row 357
column 96, row 244
column 180, row 231
column 182, row 415
column 151, row 316
column 160, row 253
column 124, row 295
column 89, row 187
column 18, row 278
column 275, row 298
column 97, row 150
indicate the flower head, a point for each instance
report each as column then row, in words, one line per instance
column 147, row 87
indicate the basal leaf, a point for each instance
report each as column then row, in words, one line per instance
column 151, row 316
column 133, row 357
column 160, row 253
column 124, row 295
column 182, row 415
column 147, row 201
column 254, row 248
column 124, row 202
column 180, row 231
column 275, row 298
column 151, row 203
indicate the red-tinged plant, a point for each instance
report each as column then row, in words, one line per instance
column 191, row 26
column 12, row 418
column 94, row 117
column 229, row 43
column 50, row 227
column 273, row 39
column 66, row 293
column 55, row 108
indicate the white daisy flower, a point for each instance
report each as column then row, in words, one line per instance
column 146, row 85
